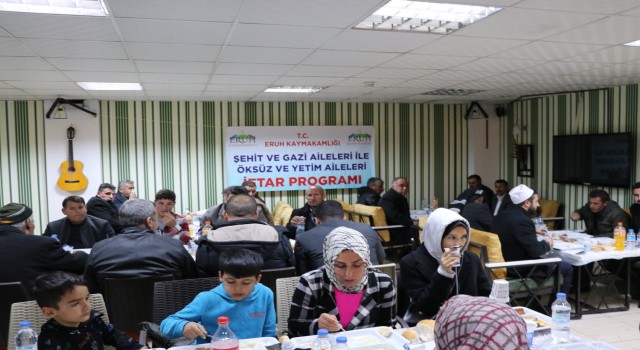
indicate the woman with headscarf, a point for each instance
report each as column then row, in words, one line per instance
column 345, row 293
column 465, row 322
column 430, row 274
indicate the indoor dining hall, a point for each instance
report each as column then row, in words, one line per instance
column 354, row 174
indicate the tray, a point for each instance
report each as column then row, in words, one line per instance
column 360, row 339
column 527, row 313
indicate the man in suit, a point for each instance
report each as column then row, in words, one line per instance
column 125, row 192
column 78, row 229
column 501, row 198
column 518, row 234
column 137, row 251
column 25, row 256
column 330, row 215
column 475, row 181
column 101, row 206
column 396, row 210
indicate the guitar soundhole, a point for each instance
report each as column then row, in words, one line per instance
column 72, row 169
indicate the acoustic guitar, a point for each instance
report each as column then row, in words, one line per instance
column 71, row 177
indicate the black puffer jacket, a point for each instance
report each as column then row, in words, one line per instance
column 368, row 196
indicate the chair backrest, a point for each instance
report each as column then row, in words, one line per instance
column 373, row 216
column 281, row 213
column 494, row 249
column 12, row 292
column 130, row 300
column 270, row 276
column 388, row 269
column 284, row 294
column 170, row 297
column 548, row 209
column 30, row 311
column 345, row 206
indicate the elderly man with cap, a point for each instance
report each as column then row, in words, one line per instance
column 518, row 233
column 25, row 256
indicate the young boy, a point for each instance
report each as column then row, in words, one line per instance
column 64, row 298
column 247, row 303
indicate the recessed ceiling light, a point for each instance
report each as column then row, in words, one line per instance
column 633, row 43
column 424, row 17
column 58, row 7
column 109, row 86
column 295, row 89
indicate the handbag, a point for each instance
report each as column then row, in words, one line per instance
column 413, row 315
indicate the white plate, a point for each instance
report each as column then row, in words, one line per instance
column 245, row 344
column 360, row 339
column 539, row 316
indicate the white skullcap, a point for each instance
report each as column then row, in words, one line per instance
column 520, row 194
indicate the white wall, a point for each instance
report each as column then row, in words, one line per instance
column 85, row 150
column 483, row 160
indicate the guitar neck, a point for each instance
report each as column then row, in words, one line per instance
column 71, row 165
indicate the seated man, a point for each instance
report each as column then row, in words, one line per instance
column 306, row 215
column 78, row 229
column 396, row 210
column 518, row 234
column 250, row 186
column 475, row 181
column 101, row 206
column 477, row 213
column 240, row 229
column 125, row 192
column 216, row 214
column 601, row 215
column 501, row 198
column 635, row 207
column 170, row 224
column 24, row 256
column 138, row 251
column 370, row 194
column 330, row 216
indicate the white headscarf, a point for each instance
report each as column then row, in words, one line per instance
column 341, row 239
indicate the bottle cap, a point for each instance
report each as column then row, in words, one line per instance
column 561, row 295
column 25, row 324
column 619, row 223
column 323, row 332
column 341, row 340
column 223, row 320
column 208, row 222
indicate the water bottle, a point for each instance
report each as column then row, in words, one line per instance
column 224, row 338
column 207, row 228
column 341, row 344
column 631, row 239
column 560, row 313
column 619, row 233
column 286, row 343
column 27, row 338
column 299, row 229
column 434, row 203
column 322, row 342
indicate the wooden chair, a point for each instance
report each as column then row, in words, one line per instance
column 284, row 294
column 29, row 310
column 170, row 297
column 549, row 209
column 12, row 292
column 130, row 300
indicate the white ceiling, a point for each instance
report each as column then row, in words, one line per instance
column 234, row 49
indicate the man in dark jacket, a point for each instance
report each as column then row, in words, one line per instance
column 24, row 256
column 309, row 251
column 306, row 215
column 138, row 251
column 518, row 234
column 242, row 230
column 370, row 194
column 101, row 206
column 475, row 181
column 78, row 229
column 601, row 215
column 501, row 199
column 635, row 207
column 125, row 191
column 477, row 213
column 396, row 210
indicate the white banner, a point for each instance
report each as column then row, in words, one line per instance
column 296, row 157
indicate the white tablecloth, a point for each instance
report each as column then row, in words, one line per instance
column 568, row 252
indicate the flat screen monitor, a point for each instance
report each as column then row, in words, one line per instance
column 593, row 159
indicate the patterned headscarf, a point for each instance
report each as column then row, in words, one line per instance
column 341, row 239
column 465, row 322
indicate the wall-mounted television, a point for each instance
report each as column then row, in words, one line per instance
column 593, row 159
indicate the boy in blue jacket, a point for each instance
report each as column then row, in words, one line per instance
column 247, row 303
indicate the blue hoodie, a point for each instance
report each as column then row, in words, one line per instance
column 251, row 317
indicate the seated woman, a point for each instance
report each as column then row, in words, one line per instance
column 429, row 274
column 345, row 293
column 464, row 322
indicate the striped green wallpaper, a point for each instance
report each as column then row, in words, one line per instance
column 178, row 145
column 598, row 111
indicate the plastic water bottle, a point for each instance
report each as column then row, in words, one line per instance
column 27, row 338
column 561, row 314
column 322, row 342
column 206, row 228
column 631, row 239
column 299, row 229
column 619, row 233
column 341, row 344
column 286, row 343
column 224, row 338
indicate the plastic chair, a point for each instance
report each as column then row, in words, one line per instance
column 130, row 300
column 29, row 310
column 284, row 294
column 270, row 276
column 12, row 292
column 170, row 297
